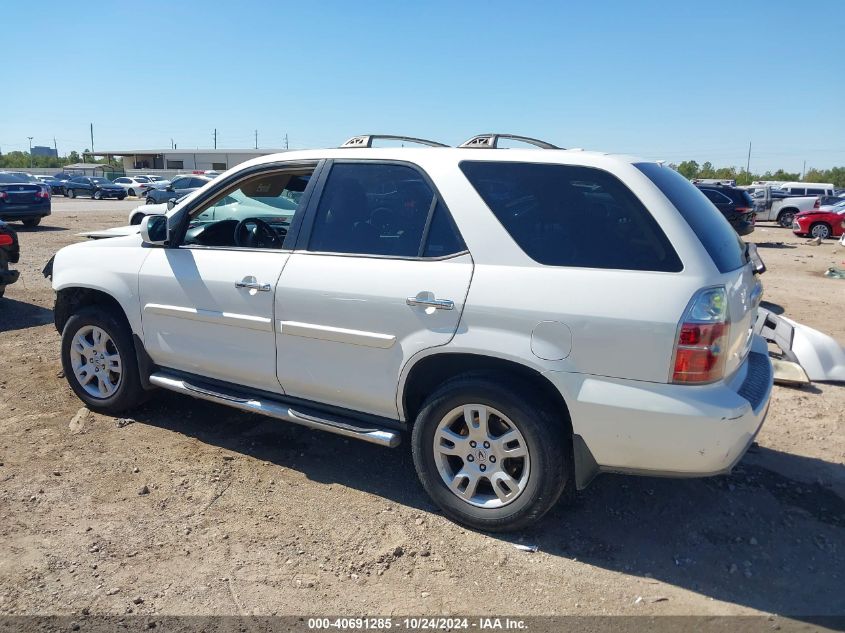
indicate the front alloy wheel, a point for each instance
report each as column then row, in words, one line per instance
column 786, row 218
column 99, row 361
column 96, row 361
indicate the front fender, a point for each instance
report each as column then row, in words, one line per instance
column 109, row 266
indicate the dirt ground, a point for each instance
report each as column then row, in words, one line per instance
column 245, row 515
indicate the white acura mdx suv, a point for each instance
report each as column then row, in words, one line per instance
column 530, row 317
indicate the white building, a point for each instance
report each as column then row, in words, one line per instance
column 182, row 159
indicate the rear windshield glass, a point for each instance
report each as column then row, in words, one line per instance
column 565, row 215
column 713, row 230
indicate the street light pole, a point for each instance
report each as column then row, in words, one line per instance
column 30, row 151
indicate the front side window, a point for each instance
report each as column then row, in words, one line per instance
column 565, row 215
column 382, row 209
column 255, row 213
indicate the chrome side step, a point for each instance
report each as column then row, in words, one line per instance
column 279, row 410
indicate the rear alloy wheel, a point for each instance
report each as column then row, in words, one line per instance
column 785, row 219
column 71, row 193
column 98, row 195
column 821, row 230
column 488, row 457
column 132, row 192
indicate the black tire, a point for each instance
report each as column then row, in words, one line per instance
column 97, row 195
column 31, row 222
column 129, row 392
column 547, row 440
column 71, row 193
column 131, row 192
column 785, row 218
column 821, row 229
column 150, row 201
column 121, row 196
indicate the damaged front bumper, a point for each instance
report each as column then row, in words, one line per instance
column 818, row 354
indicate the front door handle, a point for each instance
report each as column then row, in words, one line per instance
column 252, row 285
column 437, row 304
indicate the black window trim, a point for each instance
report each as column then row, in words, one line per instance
column 310, row 216
column 220, row 186
column 610, row 173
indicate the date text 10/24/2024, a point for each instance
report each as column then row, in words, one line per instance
column 417, row 624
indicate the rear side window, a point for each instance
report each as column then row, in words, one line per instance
column 564, row 215
column 382, row 209
column 712, row 229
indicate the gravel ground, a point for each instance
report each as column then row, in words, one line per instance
column 191, row 508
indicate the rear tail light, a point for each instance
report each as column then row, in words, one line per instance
column 3, row 195
column 5, row 239
column 701, row 347
column 44, row 193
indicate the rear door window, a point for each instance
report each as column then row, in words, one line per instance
column 382, row 209
column 564, row 215
column 714, row 232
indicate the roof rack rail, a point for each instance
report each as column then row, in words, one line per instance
column 491, row 141
column 366, row 140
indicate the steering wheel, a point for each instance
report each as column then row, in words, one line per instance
column 256, row 233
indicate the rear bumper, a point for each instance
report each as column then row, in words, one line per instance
column 18, row 212
column 661, row 429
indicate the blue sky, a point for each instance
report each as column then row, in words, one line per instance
column 664, row 80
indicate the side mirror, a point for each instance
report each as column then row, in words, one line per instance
column 169, row 188
column 171, row 203
column 154, row 230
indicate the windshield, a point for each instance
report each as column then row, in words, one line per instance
column 141, row 179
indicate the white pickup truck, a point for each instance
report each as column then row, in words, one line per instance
column 774, row 205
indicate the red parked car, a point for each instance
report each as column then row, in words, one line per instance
column 823, row 222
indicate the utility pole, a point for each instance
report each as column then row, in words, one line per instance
column 172, row 144
column 92, row 139
column 748, row 166
column 803, row 171
column 30, row 151
column 256, row 139
column 215, row 138
column 55, row 147
column 286, row 140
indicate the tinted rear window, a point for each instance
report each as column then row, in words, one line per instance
column 712, row 229
column 564, row 215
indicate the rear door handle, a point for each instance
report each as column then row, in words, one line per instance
column 438, row 304
column 252, row 285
